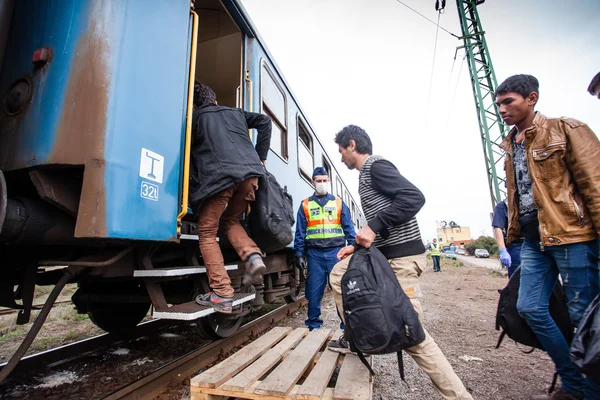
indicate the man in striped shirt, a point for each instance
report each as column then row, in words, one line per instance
column 390, row 203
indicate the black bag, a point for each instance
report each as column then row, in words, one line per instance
column 271, row 216
column 380, row 318
column 585, row 348
column 516, row 328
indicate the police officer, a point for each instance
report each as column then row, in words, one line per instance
column 323, row 227
column 434, row 249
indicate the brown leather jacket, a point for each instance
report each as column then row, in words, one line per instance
column 563, row 156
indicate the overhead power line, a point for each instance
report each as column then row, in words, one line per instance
column 433, row 22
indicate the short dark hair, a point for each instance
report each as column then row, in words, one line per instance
column 203, row 94
column 594, row 84
column 360, row 137
column 522, row 84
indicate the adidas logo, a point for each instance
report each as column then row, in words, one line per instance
column 351, row 285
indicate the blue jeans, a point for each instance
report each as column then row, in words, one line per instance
column 320, row 264
column 436, row 262
column 578, row 268
column 514, row 250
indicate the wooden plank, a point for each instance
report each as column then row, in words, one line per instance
column 240, row 360
column 249, row 394
column 314, row 386
column 284, row 377
column 354, row 380
column 254, row 372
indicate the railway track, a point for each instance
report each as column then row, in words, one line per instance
column 183, row 367
column 73, row 350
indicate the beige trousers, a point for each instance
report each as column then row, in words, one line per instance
column 427, row 355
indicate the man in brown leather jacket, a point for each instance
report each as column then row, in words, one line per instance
column 553, row 181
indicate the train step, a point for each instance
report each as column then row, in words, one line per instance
column 174, row 272
column 191, row 310
column 286, row 364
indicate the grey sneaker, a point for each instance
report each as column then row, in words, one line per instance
column 339, row 345
column 255, row 268
column 220, row 304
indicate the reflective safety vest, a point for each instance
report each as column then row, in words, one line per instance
column 323, row 224
column 435, row 249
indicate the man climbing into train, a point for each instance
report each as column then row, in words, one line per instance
column 225, row 167
column 390, row 203
column 552, row 175
column 323, row 227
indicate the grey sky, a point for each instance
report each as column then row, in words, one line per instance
column 368, row 62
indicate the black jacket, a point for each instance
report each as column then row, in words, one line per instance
column 222, row 152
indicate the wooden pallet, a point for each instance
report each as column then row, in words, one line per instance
column 285, row 364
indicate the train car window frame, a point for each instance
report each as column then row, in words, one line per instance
column 302, row 128
column 339, row 188
column 329, row 169
column 278, row 124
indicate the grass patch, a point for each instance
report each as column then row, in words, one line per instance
column 10, row 334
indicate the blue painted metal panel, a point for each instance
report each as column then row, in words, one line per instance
column 116, row 84
column 146, row 111
column 28, row 139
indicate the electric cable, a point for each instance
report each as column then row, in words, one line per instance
column 438, row 24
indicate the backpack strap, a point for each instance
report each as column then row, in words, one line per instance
column 364, row 361
column 500, row 338
column 553, row 385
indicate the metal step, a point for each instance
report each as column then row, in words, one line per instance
column 191, row 310
column 178, row 271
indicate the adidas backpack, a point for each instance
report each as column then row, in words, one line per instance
column 379, row 317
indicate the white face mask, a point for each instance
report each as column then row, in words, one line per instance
column 321, row 188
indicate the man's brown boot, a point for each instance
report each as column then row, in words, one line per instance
column 558, row 395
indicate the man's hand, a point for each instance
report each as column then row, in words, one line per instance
column 264, row 162
column 345, row 252
column 365, row 237
column 505, row 257
column 301, row 262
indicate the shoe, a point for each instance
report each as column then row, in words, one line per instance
column 255, row 268
column 220, row 304
column 339, row 345
column 558, row 395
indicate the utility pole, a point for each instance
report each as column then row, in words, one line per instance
column 492, row 129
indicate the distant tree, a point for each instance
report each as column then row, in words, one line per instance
column 484, row 242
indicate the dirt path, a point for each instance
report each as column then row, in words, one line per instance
column 460, row 308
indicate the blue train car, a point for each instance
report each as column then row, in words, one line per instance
column 94, row 153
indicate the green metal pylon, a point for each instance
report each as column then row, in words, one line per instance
column 483, row 80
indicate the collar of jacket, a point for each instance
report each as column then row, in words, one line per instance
column 207, row 108
column 538, row 121
column 319, row 199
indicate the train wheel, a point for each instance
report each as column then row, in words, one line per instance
column 293, row 297
column 218, row 326
column 117, row 318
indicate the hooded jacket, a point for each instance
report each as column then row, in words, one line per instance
column 222, row 152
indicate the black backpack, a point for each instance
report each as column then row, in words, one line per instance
column 516, row 328
column 585, row 348
column 379, row 316
column 271, row 215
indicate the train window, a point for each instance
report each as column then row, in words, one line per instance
column 278, row 136
column 306, row 159
column 327, row 167
column 338, row 188
column 274, row 104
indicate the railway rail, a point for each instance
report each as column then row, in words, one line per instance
column 180, row 369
